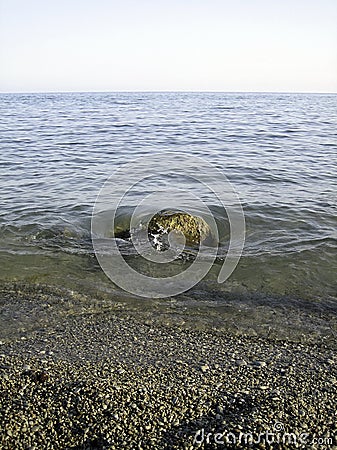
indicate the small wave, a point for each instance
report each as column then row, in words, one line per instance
column 34, row 237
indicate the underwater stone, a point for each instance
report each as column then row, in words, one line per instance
column 194, row 228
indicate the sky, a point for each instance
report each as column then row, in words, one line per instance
column 176, row 45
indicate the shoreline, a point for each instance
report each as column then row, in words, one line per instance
column 112, row 380
column 30, row 306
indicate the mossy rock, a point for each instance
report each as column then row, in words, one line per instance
column 194, row 228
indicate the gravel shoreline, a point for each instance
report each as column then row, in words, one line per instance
column 110, row 380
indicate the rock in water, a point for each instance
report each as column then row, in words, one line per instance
column 194, row 228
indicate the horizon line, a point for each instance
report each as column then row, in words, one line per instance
column 165, row 91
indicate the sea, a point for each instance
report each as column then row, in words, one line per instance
column 277, row 151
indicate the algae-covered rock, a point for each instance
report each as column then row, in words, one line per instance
column 194, row 228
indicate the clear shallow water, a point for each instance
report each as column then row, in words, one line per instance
column 278, row 150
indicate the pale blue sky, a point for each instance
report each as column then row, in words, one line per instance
column 214, row 45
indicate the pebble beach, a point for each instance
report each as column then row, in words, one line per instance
column 106, row 378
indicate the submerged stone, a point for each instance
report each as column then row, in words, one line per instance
column 194, row 228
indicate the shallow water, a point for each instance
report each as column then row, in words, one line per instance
column 279, row 151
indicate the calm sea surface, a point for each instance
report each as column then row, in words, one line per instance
column 278, row 150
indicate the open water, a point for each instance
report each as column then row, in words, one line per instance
column 279, row 151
